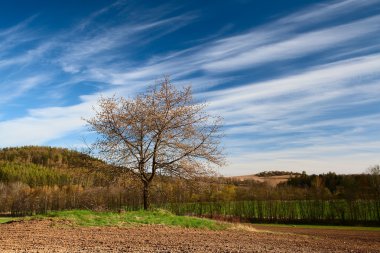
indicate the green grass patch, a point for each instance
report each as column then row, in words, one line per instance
column 99, row 219
column 319, row 226
column 6, row 219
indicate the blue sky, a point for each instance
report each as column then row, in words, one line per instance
column 297, row 82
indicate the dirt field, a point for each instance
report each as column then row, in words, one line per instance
column 50, row 236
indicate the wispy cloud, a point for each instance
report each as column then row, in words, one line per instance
column 16, row 35
column 16, row 88
column 328, row 11
column 329, row 77
column 297, row 46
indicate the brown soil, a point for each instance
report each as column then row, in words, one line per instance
column 53, row 236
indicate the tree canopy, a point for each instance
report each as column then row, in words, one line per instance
column 160, row 131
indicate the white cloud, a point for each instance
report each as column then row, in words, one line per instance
column 43, row 125
column 329, row 78
column 327, row 11
column 19, row 87
column 295, row 47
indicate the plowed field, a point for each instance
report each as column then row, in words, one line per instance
column 53, row 236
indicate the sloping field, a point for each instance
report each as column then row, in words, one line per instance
column 270, row 180
column 60, row 236
column 249, row 177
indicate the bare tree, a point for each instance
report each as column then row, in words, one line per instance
column 161, row 131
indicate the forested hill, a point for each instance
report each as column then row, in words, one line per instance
column 49, row 157
column 35, row 165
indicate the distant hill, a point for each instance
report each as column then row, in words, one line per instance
column 276, row 173
column 37, row 166
column 49, row 157
column 271, row 178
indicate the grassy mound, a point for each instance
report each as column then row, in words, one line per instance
column 162, row 217
column 5, row 219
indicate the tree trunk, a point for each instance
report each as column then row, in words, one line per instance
column 146, row 196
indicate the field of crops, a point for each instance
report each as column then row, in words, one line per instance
column 365, row 212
